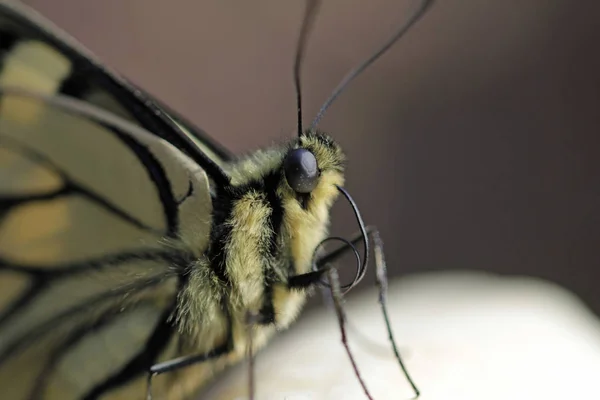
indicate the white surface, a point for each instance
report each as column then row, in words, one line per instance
column 463, row 336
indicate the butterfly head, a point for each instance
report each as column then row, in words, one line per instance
column 312, row 167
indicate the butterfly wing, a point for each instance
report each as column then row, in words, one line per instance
column 36, row 54
column 103, row 202
column 98, row 220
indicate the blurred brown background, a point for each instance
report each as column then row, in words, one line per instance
column 473, row 144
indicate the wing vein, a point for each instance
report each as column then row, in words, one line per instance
column 70, row 183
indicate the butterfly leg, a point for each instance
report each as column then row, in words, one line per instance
column 314, row 277
column 305, row 280
column 336, row 293
column 182, row 362
column 382, row 284
column 252, row 319
column 185, row 361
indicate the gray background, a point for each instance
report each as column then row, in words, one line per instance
column 472, row 144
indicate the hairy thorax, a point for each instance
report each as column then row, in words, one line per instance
column 264, row 232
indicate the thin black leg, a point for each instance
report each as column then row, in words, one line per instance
column 251, row 321
column 336, row 293
column 382, row 284
column 182, row 362
column 185, row 361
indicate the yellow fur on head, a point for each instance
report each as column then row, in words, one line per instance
column 308, row 227
column 303, row 226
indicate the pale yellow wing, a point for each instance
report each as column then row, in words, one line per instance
column 98, row 222
column 37, row 55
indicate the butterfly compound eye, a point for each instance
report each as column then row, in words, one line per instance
column 301, row 170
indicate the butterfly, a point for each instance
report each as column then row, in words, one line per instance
column 137, row 255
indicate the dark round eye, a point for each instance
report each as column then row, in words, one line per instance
column 301, row 170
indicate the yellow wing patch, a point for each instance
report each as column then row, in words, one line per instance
column 87, row 284
column 21, row 67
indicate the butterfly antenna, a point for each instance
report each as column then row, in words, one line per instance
column 310, row 14
column 414, row 17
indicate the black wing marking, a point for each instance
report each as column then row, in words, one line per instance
column 87, row 285
column 87, row 79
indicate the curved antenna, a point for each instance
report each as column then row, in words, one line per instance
column 414, row 17
column 307, row 22
column 362, row 265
